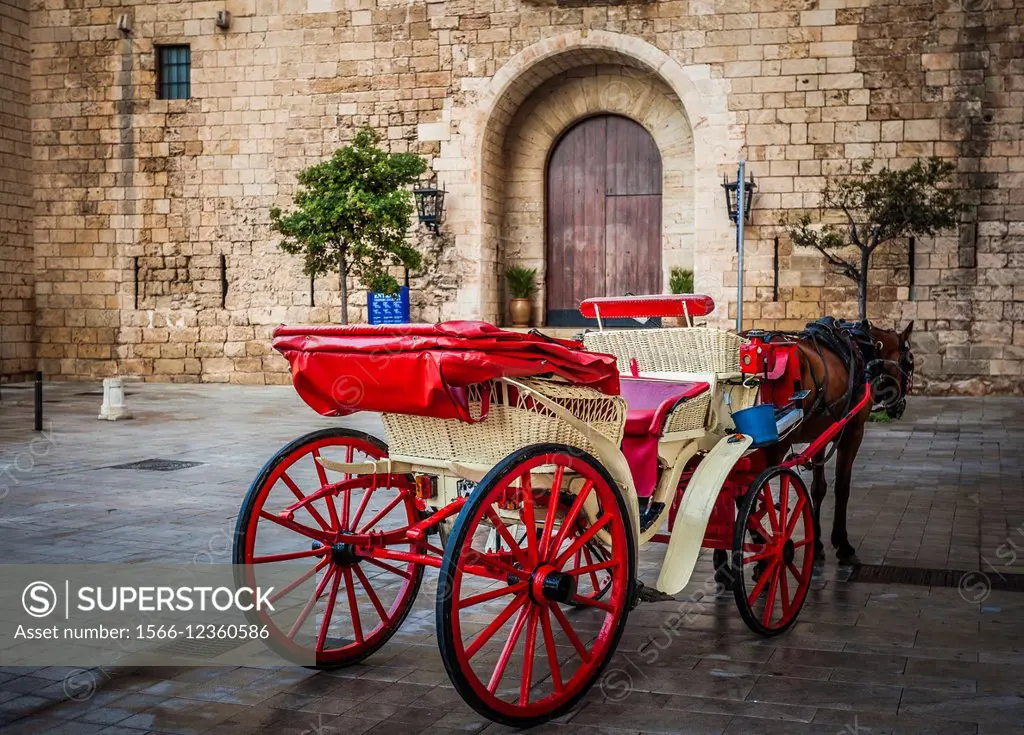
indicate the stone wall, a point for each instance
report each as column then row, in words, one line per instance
column 17, row 357
column 174, row 195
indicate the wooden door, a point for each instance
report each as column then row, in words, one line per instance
column 603, row 215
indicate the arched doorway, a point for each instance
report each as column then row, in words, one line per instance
column 603, row 215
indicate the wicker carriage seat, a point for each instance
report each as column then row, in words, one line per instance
column 651, row 400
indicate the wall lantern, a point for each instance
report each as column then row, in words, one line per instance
column 430, row 204
column 223, row 20
column 731, row 191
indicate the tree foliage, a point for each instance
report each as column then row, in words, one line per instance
column 352, row 213
column 878, row 208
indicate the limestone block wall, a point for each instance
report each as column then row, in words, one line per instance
column 17, row 350
column 174, row 195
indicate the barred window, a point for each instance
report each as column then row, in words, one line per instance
column 173, row 72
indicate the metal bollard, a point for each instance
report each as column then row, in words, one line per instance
column 39, row 400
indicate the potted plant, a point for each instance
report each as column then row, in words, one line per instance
column 521, row 286
column 351, row 215
column 680, row 281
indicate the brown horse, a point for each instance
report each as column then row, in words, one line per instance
column 889, row 368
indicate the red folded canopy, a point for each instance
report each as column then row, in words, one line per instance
column 424, row 369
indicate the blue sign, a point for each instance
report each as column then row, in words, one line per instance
column 389, row 309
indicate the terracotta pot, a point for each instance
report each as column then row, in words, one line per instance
column 520, row 309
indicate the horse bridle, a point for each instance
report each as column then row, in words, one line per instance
column 905, row 367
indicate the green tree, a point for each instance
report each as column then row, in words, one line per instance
column 878, row 208
column 351, row 215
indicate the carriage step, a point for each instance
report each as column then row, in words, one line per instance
column 646, row 593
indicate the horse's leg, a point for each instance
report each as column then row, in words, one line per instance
column 846, row 453
column 818, row 488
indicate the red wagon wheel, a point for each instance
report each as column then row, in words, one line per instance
column 773, row 551
column 332, row 605
column 521, row 634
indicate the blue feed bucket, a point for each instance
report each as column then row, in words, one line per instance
column 758, row 422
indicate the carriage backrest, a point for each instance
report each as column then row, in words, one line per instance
column 685, row 350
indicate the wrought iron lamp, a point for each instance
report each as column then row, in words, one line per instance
column 731, row 192
column 430, row 204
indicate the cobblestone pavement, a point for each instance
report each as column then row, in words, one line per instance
column 940, row 489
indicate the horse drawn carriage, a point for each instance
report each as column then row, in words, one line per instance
column 529, row 471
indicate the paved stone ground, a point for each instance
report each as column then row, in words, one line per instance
column 940, row 489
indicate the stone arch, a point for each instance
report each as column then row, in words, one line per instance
column 556, row 106
column 470, row 161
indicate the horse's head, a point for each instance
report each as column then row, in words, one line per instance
column 892, row 371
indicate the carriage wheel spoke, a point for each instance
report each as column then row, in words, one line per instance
column 312, row 601
column 549, row 519
column 570, row 633
column 506, row 650
column 388, row 567
column 795, row 572
column 529, row 517
column 362, row 506
column 528, row 652
column 766, row 575
column 768, row 553
column 570, row 518
column 582, row 539
column 591, row 602
column 770, row 510
column 754, row 526
column 309, row 506
column 786, row 602
column 302, row 578
column 549, row 644
column 297, row 527
column 291, row 555
column 502, row 529
column 593, row 572
column 487, row 633
column 783, row 501
column 491, row 595
column 801, row 544
column 322, row 637
column 383, row 512
column 769, row 605
column 591, row 568
column 795, row 518
column 350, row 590
column 371, row 594
column 346, row 509
column 321, row 474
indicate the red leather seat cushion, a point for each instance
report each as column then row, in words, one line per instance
column 650, row 401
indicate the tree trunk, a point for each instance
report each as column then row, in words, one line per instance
column 343, row 283
column 862, row 285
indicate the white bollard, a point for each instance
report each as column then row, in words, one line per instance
column 113, row 408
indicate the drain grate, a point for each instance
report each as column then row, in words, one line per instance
column 205, row 648
column 876, row 574
column 157, row 465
